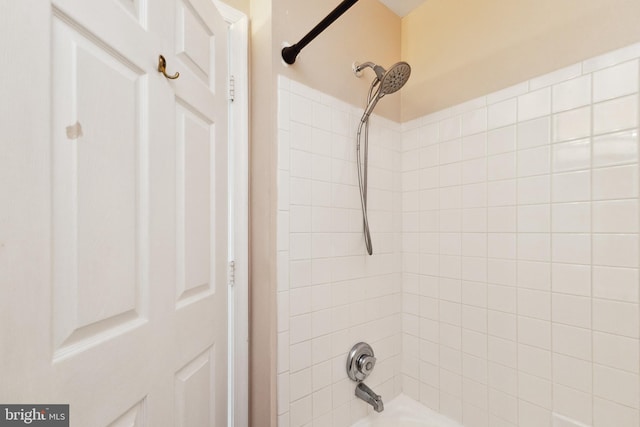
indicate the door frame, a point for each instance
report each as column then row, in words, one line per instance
column 238, row 290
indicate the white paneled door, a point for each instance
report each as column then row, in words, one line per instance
column 114, row 225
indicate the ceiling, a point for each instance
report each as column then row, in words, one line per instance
column 402, row 7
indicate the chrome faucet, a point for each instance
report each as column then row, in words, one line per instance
column 365, row 393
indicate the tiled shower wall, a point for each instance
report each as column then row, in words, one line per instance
column 330, row 294
column 520, row 251
column 514, row 282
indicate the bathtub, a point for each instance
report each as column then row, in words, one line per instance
column 405, row 412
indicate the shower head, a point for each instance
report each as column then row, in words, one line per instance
column 385, row 83
column 390, row 81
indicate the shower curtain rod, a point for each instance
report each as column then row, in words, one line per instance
column 290, row 53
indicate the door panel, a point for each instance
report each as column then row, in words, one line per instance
column 97, row 196
column 127, row 322
column 194, row 139
column 195, row 391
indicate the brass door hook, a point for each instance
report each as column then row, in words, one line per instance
column 162, row 67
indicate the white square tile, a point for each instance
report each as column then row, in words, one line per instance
column 572, row 372
column 571, row 248
column 450, row 128
column 501, row 193
column 474, row 220
column 301, row 109
column 606, row 413
column 321, row 142
column 301, row 162
column 502, row 325
column 615, row 182
column 572, row 341
column 502, row 114
column 615, row 216
column 573, row 124
column 501, row 166
column 534, row 133
column 615, row 81
column 616, row 317
column 571, row 94
column 573, row 155
column 450, row 151
column 321, row 168
column 616, row 283
column 572, row 310
column 501, row 219
column 615, row 115
column 571, row 217
column 300, row 412
column 474, row 171
column 534, row 218
column 502, row 245
column 535, row 390
column 428, row 157
column 534, row 161
column 535, row 189
column 502, row 272
column 618, row 386
column 615, row 250
column 534, row 246
column 299, row 356
column 474, row 146
column 571, row 279
column 571, row 187
column 474, row 195
column 474, row 122
column 299, row 301
column 501, row 140
column 534, row 275
column 535, row 304
column 534, row 104
column 534, row 332
column 503, row 378
column 503, row 351
column 615, row 149
column 616, row 351
column 502, row 298
column 300, row 193
column 300, row 329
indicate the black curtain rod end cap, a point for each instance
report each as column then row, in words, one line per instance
column 290, row 53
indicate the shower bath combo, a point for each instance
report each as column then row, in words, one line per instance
column 361, row 359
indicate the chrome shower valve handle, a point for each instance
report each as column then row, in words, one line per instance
column 360, row 362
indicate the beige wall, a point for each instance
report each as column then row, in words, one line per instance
column 367, row 32
column 462, row 49
column 241, row 5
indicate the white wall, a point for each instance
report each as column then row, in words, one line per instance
column 520, row 251
column 332, row 295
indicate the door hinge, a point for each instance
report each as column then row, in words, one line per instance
column 232, row 273
column 232, row 88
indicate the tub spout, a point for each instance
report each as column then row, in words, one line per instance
column 365, row 393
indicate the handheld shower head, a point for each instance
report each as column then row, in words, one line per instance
column 386, row 82
column 392, row 80
column 395, row 78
